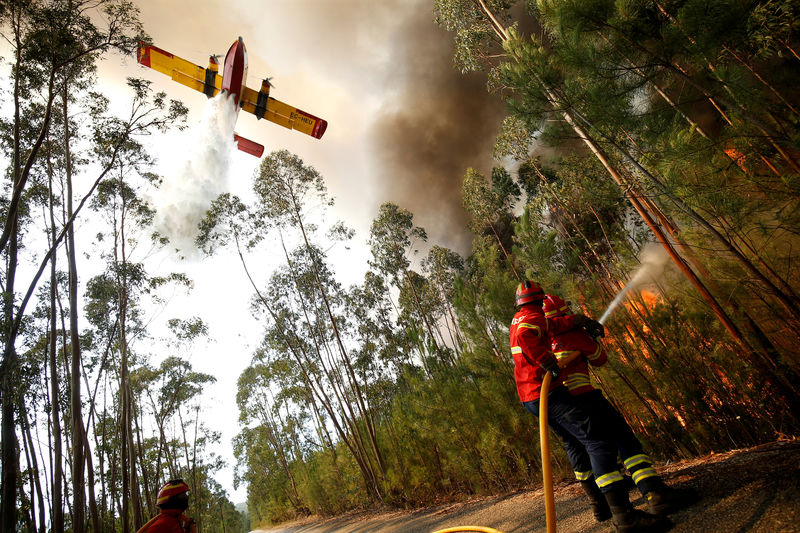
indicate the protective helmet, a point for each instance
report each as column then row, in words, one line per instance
column 529, row 291
column 554, row 306
column 172, row 488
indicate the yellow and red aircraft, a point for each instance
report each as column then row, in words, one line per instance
column 233, row 79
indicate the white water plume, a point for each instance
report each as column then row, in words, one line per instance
column 183, row 198
column 653, row 260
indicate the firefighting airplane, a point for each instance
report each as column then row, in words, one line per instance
column 233, row 79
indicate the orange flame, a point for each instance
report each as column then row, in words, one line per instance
column 736, row 156
column 649, row 299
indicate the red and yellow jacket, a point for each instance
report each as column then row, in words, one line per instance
column 530, row 346
column 169, row 521
column 576, row 374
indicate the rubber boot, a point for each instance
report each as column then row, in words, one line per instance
column 596, row 500
column 664, row 500
column 627, row 480
column 626, row 519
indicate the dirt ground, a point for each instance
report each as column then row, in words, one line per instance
column 749, row 490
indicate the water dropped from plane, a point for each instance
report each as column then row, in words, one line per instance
column 186, row 195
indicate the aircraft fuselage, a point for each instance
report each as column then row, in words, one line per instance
column 234, row 71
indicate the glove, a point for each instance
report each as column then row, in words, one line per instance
column 550, row 365
column 592, row 327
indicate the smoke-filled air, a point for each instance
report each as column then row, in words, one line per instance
column 373, row 331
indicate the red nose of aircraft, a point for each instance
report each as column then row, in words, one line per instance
column 234, row 75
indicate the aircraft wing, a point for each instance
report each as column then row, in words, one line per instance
column 280, row 113
column 185, row 72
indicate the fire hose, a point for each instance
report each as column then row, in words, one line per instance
column 544, row 439
column 547, row 474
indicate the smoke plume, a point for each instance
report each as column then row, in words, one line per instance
column 439, row 123
column 184, row 198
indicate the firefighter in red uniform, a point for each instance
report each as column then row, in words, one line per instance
column 570, row 419
column 173, row 500
column 576, row 350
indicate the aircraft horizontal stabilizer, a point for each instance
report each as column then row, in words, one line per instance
column 248, row 146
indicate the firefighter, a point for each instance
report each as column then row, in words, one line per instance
column 173, row 500
column 530, row 334
column 575, row 350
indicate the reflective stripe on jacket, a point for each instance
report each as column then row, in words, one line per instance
column 576, row 374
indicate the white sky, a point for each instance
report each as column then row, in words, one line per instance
column 331, row 58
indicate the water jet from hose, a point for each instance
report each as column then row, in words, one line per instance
column 653, row 260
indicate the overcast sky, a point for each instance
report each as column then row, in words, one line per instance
column 404, row 126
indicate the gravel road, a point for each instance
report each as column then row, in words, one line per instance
column 749, row 490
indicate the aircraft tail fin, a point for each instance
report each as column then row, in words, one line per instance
column 248, row 146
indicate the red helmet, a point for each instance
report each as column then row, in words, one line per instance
column 529, row 291
column 172, row 488
column 554, row 306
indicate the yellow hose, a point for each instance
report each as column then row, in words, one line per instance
column 468, row 529
column 547, row 473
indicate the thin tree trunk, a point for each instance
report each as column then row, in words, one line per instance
column 78, row 439
column 55, row 410
column 8, row 370
column 124, row 401
column 33, row 464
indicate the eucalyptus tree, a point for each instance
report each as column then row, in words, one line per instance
column 442, row 267
column 176, row 391
column 54, row 43
column 342, row 389
column 393, row 238
column 170, row 388
column 286, row 189
column 256, row 402
column 488, row 203
column 383, row 352
column 113, row 142
column 48, row 40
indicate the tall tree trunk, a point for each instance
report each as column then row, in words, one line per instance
column 10, row 460
column 78, row 440
column 8, row 370
column 124, row 398
column 33, row 466
column 55, row 408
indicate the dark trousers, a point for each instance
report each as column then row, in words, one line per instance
column 592, row 433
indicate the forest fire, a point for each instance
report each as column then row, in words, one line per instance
column 650, row 298
column 736, row 156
